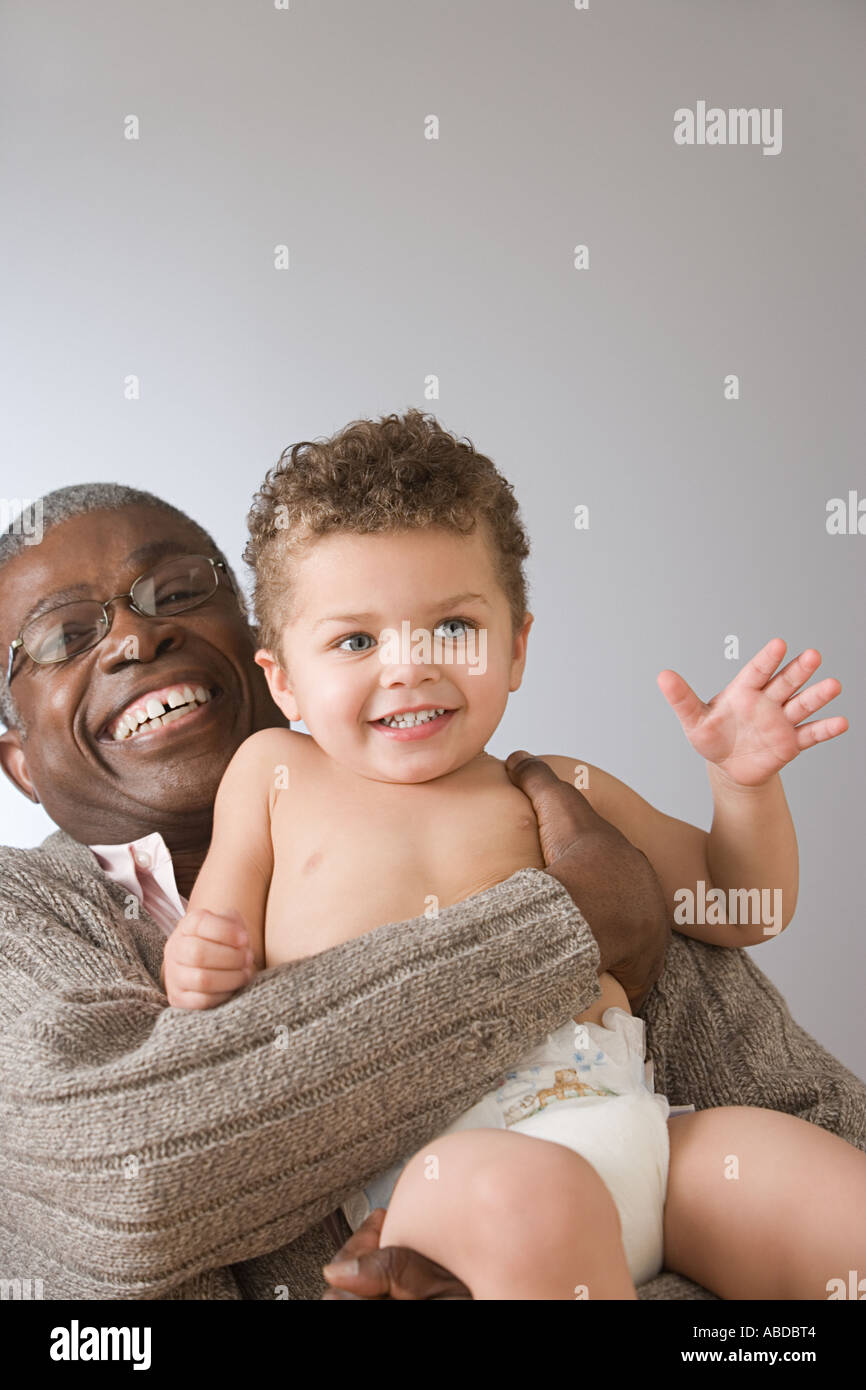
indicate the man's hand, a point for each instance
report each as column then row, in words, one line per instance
column 362, row 1269
column 611, row 881
column 207, row 959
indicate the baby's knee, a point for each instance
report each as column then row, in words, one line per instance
column 544, row 1189
column 509, row 1214
column 498, row 1187
column 434, row 1193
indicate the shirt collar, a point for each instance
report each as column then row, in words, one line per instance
column 144, row 867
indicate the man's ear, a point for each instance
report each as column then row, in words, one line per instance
column 518, row 655
column 13, row 760
column 282, row 693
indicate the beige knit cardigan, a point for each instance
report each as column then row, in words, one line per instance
column 154, row 1153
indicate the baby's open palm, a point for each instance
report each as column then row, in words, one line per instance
column 752, row 728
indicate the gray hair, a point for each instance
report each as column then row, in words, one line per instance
column 63, row 504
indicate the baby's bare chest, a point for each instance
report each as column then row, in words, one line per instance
column 348, row 858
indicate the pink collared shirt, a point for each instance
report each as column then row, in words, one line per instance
column 143, row 867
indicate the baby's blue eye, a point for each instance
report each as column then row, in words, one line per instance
column 356, row 637
column 461, row 622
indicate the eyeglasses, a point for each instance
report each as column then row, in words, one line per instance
column 175, row 586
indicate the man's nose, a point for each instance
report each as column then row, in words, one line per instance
column 134, row 637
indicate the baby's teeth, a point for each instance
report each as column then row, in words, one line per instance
column 410, row 721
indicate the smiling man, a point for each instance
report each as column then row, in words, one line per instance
column 173, row 658
column 146, row 1152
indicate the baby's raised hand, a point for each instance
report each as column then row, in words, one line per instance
column 207, row 959
column 752, row 728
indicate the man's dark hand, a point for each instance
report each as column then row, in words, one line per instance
column 611, row 881
column 387, row 1272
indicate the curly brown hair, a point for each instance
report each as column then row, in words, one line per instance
column 392, row 474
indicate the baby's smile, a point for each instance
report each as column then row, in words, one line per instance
column 423, row 721
column 399, row 651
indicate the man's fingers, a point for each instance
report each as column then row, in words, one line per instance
column 366, row 1238
column 367, row 1274
column 561, row 810
column 397, row 1273
column 540, row 782
column 516, row 757
column 414, row 1276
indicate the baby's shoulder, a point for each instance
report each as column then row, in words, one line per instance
column 264, row 750
column 594, row 782
column 610, row 798
column 266, row 741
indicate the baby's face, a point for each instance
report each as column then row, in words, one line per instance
column 384, row 624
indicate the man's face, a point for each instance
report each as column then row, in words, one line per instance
column 343, row 674
column 98, row 788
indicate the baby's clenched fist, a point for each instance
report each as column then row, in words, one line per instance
column 207, row 959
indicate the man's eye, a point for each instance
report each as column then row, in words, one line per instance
column 65, row 640
column 451, row 622
column 175, row 594
column 355, row 638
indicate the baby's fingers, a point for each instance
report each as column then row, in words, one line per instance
column 213, row 986
column 820, row 730
column 792, row 676
column 188, row 999
column 210, row 955
column 813, row 698
column 226, row 928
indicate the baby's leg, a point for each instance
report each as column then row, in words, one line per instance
column 513, row 1217
column 762, row 1204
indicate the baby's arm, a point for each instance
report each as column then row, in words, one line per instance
column 679, row 851
column 227, row 905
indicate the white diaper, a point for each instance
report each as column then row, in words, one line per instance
column 586, row 1086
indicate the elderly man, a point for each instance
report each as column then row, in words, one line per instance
column 147, row 1152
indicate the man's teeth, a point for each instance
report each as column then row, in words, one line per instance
column 408, row 721
column 152, row 713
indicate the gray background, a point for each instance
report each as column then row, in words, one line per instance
column 454, row 257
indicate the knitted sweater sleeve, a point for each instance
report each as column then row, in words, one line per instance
column 141, row 1145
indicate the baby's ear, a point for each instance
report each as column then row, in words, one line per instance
column 518, row 654
column 279, row 685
